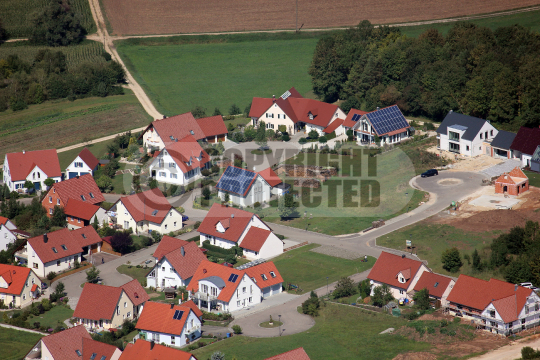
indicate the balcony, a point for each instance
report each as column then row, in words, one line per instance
column 192, row 330
column 21, row 254
column 204, row 296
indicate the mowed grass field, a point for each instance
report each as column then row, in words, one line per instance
column 340, row 332
column 60, row 123
column 218, row 74
column 16, row 344
column 17, row 15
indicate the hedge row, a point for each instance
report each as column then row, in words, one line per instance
column 331, row 135
column 217, row 249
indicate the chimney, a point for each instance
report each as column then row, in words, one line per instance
column 77, row 176
column 172, row 306
column 24, row 152
column 403, row 256
column 232, row 216
column 164, row 117
column 378, row 108
column 45, row 238
column 515, row 287
column 273, row 98
column 182, row 251
column 451, row 111
column 151, row 344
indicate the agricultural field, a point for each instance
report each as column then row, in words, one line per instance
column 60, row 123
column 217, row 74
column 17, row 15
column 138, row 17
column 86, row 51
column 16, row 344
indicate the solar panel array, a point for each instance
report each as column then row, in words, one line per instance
column 236, row 180
column 250, row 264
column 356, row 117
column 178, row 314
column 387, row 120
column 286, row 94
column 233, row 278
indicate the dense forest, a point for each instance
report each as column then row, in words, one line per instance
column 489, row 74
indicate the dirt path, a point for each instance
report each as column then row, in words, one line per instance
column 104, row 37
column 512, row 351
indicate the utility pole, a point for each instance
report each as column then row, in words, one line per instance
column 296, row 15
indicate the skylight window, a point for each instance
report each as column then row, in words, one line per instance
column 191, row 132
column 254, row 280
column 93, row 356
column 273, row 274
column 55, row 251
column 264, row 277
column 436, row 284
column 78, row 352
column 83, row 198
column 84, row 236
column 154, row 212
column 103, row 357
column 91, row 195
column 64, row 247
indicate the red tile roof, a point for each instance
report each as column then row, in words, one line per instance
column 63, row 344
column 107, row 239
column 516, row 176
column 20, row 165
column 237, row 224
column 526, row 140
column 34, row 288
column 296, row 354
column 186, row 265
column 333, row 126
column 141, row 205
column 158, row 317
column 212, row 126
column 135, row 292
column 3, row 220
column 92, row 294
column 168, row 244
column 348, row 120
column 75, row 187
column 270, row 177
column 259, row 106
column 90, row 347
column 88, row 158
column 141, row 350
column 190, row 304
column 80, row 209
column 15, row 276
column 207, row 269
column 185, row 150
column 255, row 238
column 56, row 239
column 388, row 266
column 428, row 281
column 507, row 308
column 86, row 236
column 264, row 268
column 478, row 294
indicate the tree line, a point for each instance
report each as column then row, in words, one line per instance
column 489, row 74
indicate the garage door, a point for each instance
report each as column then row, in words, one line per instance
column 72, row 175
column 267, row 291
column 83, row 174
column 276, row 289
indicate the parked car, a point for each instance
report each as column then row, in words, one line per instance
column 529, row 285
column 429, row 173
column 43, row 286
column 185, row 218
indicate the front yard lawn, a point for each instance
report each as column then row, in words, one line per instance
column 309, row 269
column 16, row 344
column 51, row 318
column 340, row 332
column 134, row 272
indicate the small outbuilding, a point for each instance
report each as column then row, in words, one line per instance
column 513, row 183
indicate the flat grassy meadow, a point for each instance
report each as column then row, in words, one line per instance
column 340, row 332
column 16, row 344
column 219, row 73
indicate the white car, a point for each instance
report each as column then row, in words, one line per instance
column 529, row 285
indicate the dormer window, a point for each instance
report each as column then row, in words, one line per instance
column 191, row 132
column 264, row 277
column 273, row 274
column 310, row 116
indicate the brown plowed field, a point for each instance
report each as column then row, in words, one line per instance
column 141, row 17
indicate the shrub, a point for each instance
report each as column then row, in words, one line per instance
column 344, row 288
column 237, row 329
column 323, row 139
column 313, row 134
column 302, row 141
column 51, row 275
column 285, row 137
column 311, row 305
column 234, row 110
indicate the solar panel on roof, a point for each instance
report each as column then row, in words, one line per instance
column 356, row 117
column 387, row 120
column 233, row 278
column 286, row 94
column 178, row 314
column 236, row 180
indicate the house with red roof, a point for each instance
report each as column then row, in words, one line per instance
column 438, row 286
column 34, row 166
column 296, row 354
column 226, row 227
column 277, row 186
column 84, row 163
column 496, row 306
column 513, row 183
column 80, row 197
column 223, row 288
column 399, row 273
column 116, row 304
column 150, row 350
column 169, row 324
column 7, row 234
column 525, row 143
column 294, row 112
column 387, row 123
column 176, row 267
column 145, row 212
column 57, row 251
column 73, row 344
column 180, row 162
column 164, row 131
column 19, row 286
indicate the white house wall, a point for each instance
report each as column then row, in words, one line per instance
column 152, row 140
column 275, row 116
column 85, row 169
column 171, row 222
column 398, row 293
column 165, row 271
column 170, row 172
column 272, row 247
column 6, row 237
column 252, row 291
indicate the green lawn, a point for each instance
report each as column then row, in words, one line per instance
column 218, row 73
column 98, row 149
column 309, row 269
column 52, row 317
column 526, row 19
column 534, row 178
column 16, row 344
column 340, row 332
column 134, row 272
column 431, row 240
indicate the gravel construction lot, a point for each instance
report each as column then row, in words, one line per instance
column 141, row 17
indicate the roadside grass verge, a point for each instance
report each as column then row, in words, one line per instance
column 217, row 71
column 431, row 240
column 56, row 124
column 16, row 344
column 340, row 332
column 309, row 269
